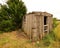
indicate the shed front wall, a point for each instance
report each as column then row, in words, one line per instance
column 34, row 25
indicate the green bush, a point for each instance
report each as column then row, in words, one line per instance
column 6, row 25
column 11, row 16
column 54, row 22
column 46, row 40
column 49, row 38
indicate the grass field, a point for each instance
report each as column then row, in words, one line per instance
column 15, row 39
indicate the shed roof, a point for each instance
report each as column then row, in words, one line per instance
column 40, row 13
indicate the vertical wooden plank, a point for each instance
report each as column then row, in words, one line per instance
column 48, row 24
column 41, row 26
column 34, row 29
column 31, row 23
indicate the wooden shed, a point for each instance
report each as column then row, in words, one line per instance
column 37, row 24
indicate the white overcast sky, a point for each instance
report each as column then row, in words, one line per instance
column 50, row 6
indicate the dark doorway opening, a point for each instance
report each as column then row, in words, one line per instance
column 45, row 20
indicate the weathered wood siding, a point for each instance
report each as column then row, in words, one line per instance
column 33, row 25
